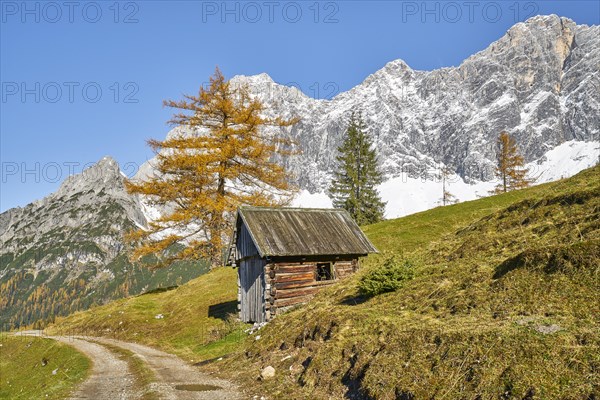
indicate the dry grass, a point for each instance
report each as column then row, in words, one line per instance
column 503, row 306
column 193, row 320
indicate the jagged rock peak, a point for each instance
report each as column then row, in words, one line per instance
column 542, row 22
column 102, row 174
column 398, row 64
column 101, row 185
column 106, row 162
column 538, row 81
column 253, row 79
column 549, row 19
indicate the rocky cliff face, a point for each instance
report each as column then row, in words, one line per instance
column 540, row 82
column 83, row 200
column 66, row 252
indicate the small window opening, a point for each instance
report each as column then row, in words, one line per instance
column 324, row 272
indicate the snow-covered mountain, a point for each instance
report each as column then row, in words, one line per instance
column 540, row 82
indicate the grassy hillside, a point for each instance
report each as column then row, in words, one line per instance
column 182, row 321
column 37, row 368
column 503, row 304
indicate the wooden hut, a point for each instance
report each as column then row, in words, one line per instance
column 285, row 255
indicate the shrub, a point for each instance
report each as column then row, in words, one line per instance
column 386, row 278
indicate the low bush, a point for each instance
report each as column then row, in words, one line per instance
column 386, row 278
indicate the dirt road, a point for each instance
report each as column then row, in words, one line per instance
column 172, row 373
column 111, row 378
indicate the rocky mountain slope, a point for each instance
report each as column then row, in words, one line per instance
column 540, row 81
column 66, row 252
column 75, row 204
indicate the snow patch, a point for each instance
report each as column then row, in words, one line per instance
column 565, row 160
column 151, row 213
column 305, row 199
column 405, row 195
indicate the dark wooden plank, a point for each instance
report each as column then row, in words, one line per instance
column 285, row 294
column 295, row 269
column 294, row 284
column 293, row 277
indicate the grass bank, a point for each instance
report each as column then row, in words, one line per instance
column 504, row 304
column 38, row 368
column 193, row 321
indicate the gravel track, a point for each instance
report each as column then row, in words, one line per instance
column 111, row 379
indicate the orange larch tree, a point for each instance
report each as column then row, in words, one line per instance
column 202, row 177
column 510, row 167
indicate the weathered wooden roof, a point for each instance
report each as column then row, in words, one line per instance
column 283, row 232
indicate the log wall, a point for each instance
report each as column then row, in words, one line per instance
column 291, row 283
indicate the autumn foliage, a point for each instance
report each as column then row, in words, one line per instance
column 510, row 167
column 223, row 161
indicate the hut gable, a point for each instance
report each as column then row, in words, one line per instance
column 285, row 255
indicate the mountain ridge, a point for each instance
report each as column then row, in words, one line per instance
column 66, row 252
column 537, row 81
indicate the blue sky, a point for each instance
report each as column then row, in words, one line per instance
column 82, row 80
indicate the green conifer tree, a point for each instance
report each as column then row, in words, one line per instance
column 354, row 184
